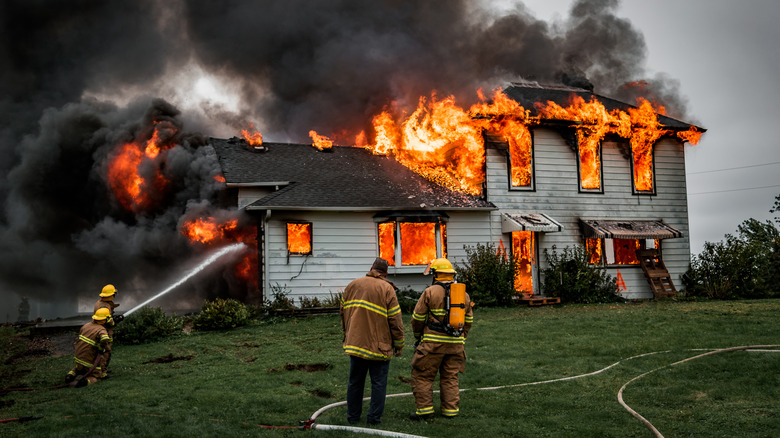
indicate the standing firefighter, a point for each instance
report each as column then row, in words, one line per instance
column 373, row 333
column 92, row 344
column 441, row 322
column 106, row 301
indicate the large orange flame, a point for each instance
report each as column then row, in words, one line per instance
column 524, row 254
column 299, row 238
column 320, row 142
column 210, row 231
column 418, row 243
column 134, row 191
column 387, row 241
column 252, row 135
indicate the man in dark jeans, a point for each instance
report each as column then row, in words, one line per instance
column 373, row 333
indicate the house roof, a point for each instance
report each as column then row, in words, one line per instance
column 342, row 178
column 528, row 93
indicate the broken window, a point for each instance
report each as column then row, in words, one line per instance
column 299, row 238
column 521, row 159
column 617, row 251
column 412, row 243
column 643, row 170
column 589, row 166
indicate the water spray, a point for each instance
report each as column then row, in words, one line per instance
column 190, row 274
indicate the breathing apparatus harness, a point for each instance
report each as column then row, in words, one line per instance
column 444, row 325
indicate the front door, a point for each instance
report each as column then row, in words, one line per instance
column 524, row 253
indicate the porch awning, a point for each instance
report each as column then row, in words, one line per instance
column 529, row 222
column 628, row 229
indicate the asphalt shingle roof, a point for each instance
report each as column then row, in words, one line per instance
column 342, row 178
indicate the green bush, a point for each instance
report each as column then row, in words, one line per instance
column 148, row 324
column 570, row 277
column 407, row 299
column 281, row 299
column 488, row 275
column 221, row 314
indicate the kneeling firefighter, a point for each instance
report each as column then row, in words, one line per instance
column 441, row 322
column 92, row 345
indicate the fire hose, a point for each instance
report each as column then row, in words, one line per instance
column 311, row 422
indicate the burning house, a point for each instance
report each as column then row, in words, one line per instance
column 533, row 168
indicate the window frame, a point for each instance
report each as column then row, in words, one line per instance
column 603, row 259
column 440, row 236
column 287, row 237
column 599, row 190
column 634, row 190
column 532, row 186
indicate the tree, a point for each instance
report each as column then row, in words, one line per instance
column 743, row 266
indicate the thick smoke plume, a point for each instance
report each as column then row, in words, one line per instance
column 79, row 79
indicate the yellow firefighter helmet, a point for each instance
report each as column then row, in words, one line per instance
column 101, row 314
column 441, row 265
column 108, row 290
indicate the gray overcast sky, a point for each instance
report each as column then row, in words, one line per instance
column 726, row 55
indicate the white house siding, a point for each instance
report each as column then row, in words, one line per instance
column 557, row 195
column 344, row 245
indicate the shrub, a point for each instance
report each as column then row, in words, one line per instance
column 281, row 299
column 221, row 314
column 570, row 277
column 488, row 275
column 407, row 299
column 306, row 302
column 148, row 324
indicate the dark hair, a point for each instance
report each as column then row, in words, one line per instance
column 380, row 265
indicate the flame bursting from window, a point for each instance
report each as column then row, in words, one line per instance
column 386, row 232
column 252, row 135
column 524, row 253
column 210, row 232
column 444, row 142
column 418, row 243
column 595, row 251
column 299, row 238
column 135, row 172
column 320, row 142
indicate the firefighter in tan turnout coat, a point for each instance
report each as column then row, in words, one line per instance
column 439, row 349
column 92, row 344
column 106, row 301
column 373, row 333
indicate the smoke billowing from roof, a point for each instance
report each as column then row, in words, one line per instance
column 81, row 79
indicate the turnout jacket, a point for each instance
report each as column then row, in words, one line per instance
column 110, row 305
column 431, row 308
column 93, row 338
column 371, row 318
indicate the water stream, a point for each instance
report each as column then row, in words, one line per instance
column 190, row 274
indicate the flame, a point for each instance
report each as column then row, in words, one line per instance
column 625, row 251
column 219, row 178
column 387, row 241
column 418, row 243
column 443, row 142
column 299, row 238
column 252, row 135
column 524, row 254
column 209, row 231
column 594, row 250
column 134, row 191
column 321, row 142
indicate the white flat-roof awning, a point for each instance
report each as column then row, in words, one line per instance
column 539, row 222
column 628, row 229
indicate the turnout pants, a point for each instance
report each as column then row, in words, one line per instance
column 425, row 365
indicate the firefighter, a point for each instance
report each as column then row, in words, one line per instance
column 93, row 343
column 373, row 333
column 439, row 348
column 106, row 301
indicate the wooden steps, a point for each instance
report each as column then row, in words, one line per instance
column 656, row 273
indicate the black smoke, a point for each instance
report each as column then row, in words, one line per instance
column 299, row 65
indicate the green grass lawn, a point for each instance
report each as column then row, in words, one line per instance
column 228, row 383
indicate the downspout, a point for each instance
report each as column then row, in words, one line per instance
column 266, row 283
